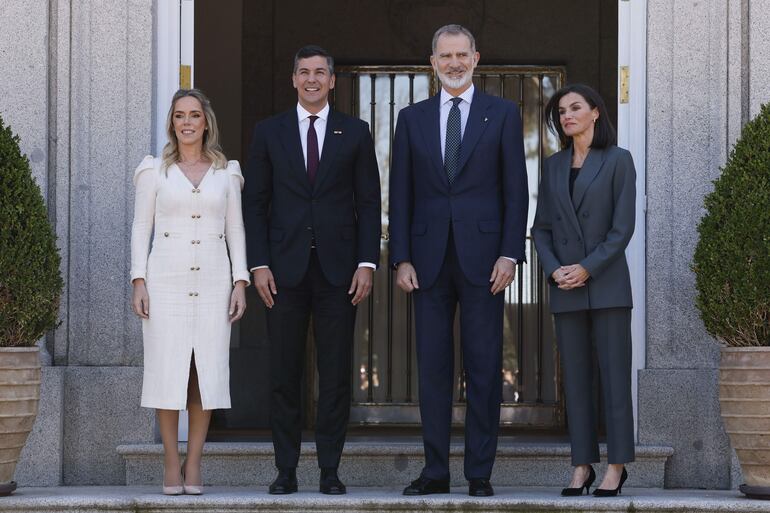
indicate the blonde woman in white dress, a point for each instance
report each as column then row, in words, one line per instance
column 188, row 287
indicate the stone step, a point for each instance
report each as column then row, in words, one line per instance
column 147, row 499
column 387, row 464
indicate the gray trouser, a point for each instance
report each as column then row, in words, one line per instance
column 609, row 330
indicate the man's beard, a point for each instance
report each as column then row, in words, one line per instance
column 455, row 83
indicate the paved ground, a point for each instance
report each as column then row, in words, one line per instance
column 99, row 499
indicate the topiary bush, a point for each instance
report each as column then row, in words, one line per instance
column 732, row 258
column 30, row 281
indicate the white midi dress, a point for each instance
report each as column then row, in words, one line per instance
column 198, row 252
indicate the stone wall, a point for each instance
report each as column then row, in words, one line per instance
column 707, row 71
column 79, row 92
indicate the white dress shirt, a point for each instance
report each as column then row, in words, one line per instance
column 303, row 117
column 446, row 105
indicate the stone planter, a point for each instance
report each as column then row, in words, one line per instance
column 744, row 397
column 19, row 394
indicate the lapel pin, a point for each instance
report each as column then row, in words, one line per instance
column 338, row 132
column 486, row 119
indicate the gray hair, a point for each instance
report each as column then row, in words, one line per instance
column 453, row 29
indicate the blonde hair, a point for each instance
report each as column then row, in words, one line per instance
column 211, row 150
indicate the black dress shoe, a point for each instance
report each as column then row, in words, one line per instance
column 480, row 488
column 576, row 492
column 285, row 483
column 330, row 483
column 601, row 492
column 426, row 486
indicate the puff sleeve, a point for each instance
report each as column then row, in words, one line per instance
column 145, row 182
column 234, row 231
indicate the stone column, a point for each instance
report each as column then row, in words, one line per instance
column 699, row 92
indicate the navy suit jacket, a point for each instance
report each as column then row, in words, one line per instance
column 485, row 207
column 283, row 212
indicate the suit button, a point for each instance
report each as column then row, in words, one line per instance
column 190, row 294
column 198, row 216
column 192, row 242
column 195, row 294
column 165, row 234
column 220, row 235
column 197, row 268
column 309, row 228
column 580, row 240
column 558, row 218
column 192, row 268
column 564, row 241
column 197, row 242
column 585, row 214
column 194, row 190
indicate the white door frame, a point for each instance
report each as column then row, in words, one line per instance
column 174, row 31
column 175, row 46
column 632, row 135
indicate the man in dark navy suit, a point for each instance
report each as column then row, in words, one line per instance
column 311, row 207
column 458, row 214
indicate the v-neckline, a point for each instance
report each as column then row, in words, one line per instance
column 190, row 181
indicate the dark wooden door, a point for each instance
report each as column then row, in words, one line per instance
column 243, row 59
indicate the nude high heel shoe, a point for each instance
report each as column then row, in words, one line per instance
column 190, row 489
column 173, row 490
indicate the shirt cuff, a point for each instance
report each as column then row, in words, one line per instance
column 511, row 259
column 259, row 267
column 367, row 264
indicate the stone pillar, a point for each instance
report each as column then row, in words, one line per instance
column 703, row 58
column 79, row 92
column 111, row 122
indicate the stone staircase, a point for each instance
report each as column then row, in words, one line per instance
column 387, row 464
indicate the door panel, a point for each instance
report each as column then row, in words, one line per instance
column 384, row 378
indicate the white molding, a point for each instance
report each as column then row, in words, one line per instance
column 168, row 31
column 187, row 37
column 167, row 36
column 632, row 130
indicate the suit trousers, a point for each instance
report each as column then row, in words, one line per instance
column 608, row 330
column 333, row 321
column 481, row 331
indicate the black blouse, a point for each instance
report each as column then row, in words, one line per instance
column 573, row 172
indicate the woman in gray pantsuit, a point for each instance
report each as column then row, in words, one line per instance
column 584, row 221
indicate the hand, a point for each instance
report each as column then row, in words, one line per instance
column 406, row 277
column 140, row 299
column 572, row 276
column 237, row 301
column 503, row 274
column 265, row 284
column 361, row 284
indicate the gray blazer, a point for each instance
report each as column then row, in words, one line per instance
column 592, row 228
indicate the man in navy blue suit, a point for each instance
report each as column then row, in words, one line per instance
column 458, row 214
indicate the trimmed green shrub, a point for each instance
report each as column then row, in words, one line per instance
column 732, row 258
column 30, row 281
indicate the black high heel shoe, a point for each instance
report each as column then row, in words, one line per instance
column 574, row 492
column 599, row 492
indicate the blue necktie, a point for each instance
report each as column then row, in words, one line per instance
column 453, row 137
